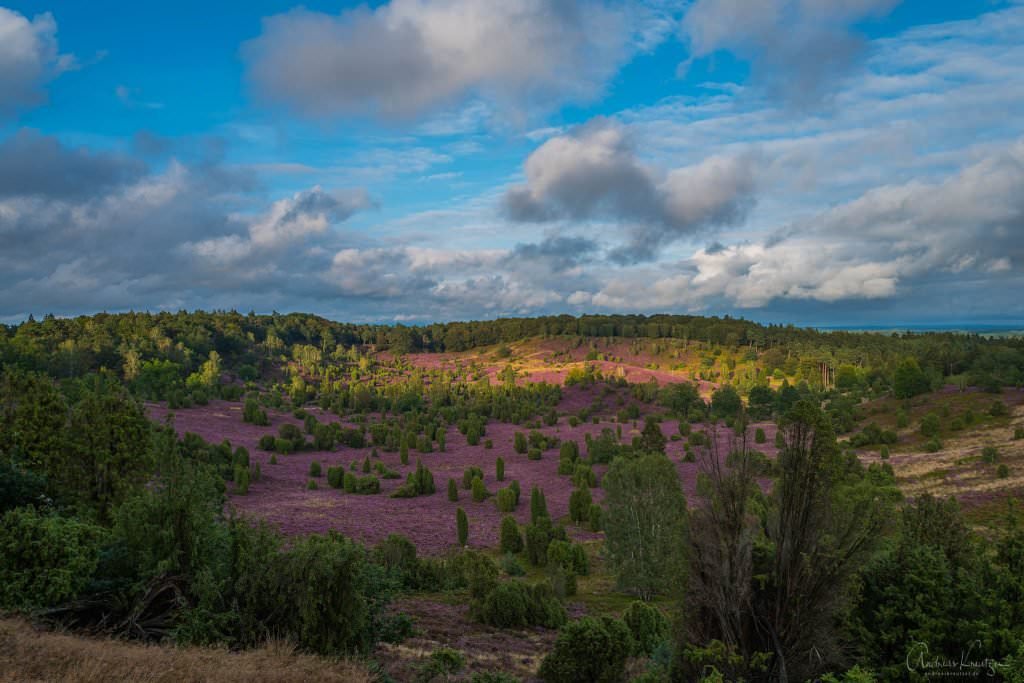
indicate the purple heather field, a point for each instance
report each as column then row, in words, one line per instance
column 282, row 498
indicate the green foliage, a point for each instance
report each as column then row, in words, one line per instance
column 648, row 626
column 336, row 477
column 909, row 380
column 539, row 536
column 314, row 468
column 588, row 650
column 998, row 409
column 930, row 425
column 499, row 469
column 533, row 454
column 579, row 505
column 595, row 517
column 418, row 483
column 462, row 525
column 511, row 539
column 19, row 486
column 990, row 454
column 252, row 413
column 1003, row 471
column 241, row 479
column 651, row 438
column 513, row 604
column 45, row 559
column 538, row 504
column 519, row 442
column 469, row 474
column 645, row 524
column 511, row 566
column 480, row 492
column 506, row 500
column 453, row 491
column 759, row 436
column 726, row 402
column 442, row 662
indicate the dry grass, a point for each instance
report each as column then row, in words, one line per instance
column 29, row 655
column 957, row 469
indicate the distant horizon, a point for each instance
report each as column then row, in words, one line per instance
column 968, row 326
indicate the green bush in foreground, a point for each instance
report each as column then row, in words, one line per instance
column 588, row 650
column 45, row 559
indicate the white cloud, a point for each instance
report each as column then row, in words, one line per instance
column 595, row 173
column 29, row 58
column 408, row 57
column 800, row 49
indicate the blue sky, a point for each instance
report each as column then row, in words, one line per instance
column 807, row 161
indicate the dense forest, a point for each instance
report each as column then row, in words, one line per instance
column 796, row 557
column 68, row 347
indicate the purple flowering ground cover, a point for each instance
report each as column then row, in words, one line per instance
column 282, row 498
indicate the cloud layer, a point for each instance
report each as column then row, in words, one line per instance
column 799, row 49
column 595, row 173
column 408, row 57
column 29, row 58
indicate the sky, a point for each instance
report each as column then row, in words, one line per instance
column 820, row 162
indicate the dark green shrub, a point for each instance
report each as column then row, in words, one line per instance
column 367, row 485
column 538, row 504
column 594, row 518
column 506, row 605
column 648, row 626
column 366, row 466
column 253, row 414
column 1003, row 471
column 267, row 442
column 499, row 469
column 930, row 425
column 335, row 477
column 579, row 505
column 998, row 409
column 591, row 649
column 583, row 476
column 45, row 559
column 519, row 442
column 418, row 483
column 759, row 436
column 443, row 662
column 311, row 485
column 273, row 458
column 1018, row 433
column 534, row 454
column 241, row 479
column 469, row 474
column 453, row 491
column 314, row 468
column 480, row 492
column 990, row 455
column 511, row 539
column 884, row 453
column 933, row 445
column 462, row 526
column 506, row 500
column 349, row 482
column 510, row 565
